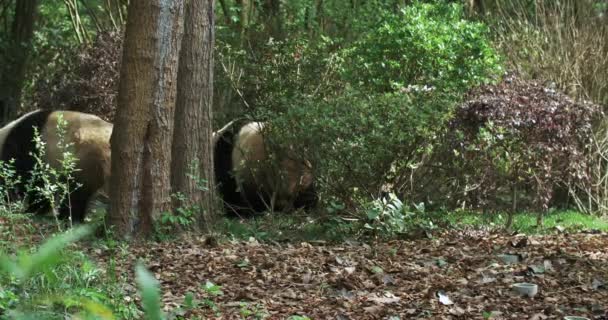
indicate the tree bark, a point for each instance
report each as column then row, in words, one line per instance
column 225, row 12
column 245, row 10
column 475, row 7
column 320, row 16
column 12, row 75
column 273, row 18
column 143, row 129
column 192, row 140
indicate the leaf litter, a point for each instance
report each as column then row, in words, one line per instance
column 455, row 275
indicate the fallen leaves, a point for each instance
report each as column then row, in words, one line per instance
column 453, row 276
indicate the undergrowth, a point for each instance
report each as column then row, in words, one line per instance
column 59, row 280
column 525, row 222
column 294, row 228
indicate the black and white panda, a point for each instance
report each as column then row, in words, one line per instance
column 90, row 139
column 251, row 180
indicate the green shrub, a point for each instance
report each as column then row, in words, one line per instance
column 425, row 45
column 38, row 270
column 45, row 183
column 9, row 202
column 54, row 184
column 281, row 70
column 359, row 143
column 366, row 116
column 389, row 217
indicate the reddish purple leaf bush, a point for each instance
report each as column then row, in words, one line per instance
column 89, row 84
column 514, row 144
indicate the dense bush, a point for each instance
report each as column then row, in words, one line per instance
column 359, row 143
column 521, row 140
column 363, row 136
column 428, row 45
column 333, row 100
column 90, row 84
column 283, row 70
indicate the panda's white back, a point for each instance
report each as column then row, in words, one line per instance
column 249, row 145
column 85, row 132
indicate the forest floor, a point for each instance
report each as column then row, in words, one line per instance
column 455, row 275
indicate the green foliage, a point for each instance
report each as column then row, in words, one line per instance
column 368, row 115
column 359, row 143
column 390, row 217
column 45, row 258
column 292, row 228
column 186, row 211
column 56, row 42
column 281, row 70
column 427, row 46
column 150, row 294
column 254, row 311
column 525, row 222
column 27, row 269
column 212, row 290
column 54, row 184
column 57, row 281
column 183, row 216
column 190, row 303
column 53, row 34
column 10, row 181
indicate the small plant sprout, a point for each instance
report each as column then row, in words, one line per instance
column 54, row 185
column 10, row 182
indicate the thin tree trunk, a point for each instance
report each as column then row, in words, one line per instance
column 226, row 12
column 245, row 7
column 273, row 18
column 13, row 71
column 192, row 141
column 98, row 26
column 81, row 32
column 475, row 6
column 141, row 139
column 320, row 16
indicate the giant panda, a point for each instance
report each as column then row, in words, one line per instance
column 90, row 139
column 251, row 179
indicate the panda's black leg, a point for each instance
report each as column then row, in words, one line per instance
column 306, row 199
column 37, row 204
column 77, row 205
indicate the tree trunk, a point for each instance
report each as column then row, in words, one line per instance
column 245, row 9
column 192, row 141
column 273, row 18
column 12, row 74
column 143, row 129
column 320, row 15
column 226, row 12
column 475, row 6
